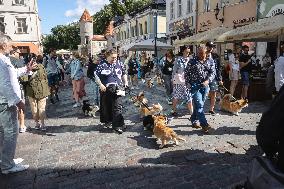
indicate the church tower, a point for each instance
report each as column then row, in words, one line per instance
column 86, row 28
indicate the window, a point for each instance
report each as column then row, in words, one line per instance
column 172, row 10
column 1, row 2
column 100, row 44
column 22, row 25
column 179, row 8
column 189, row 6
column 141, row 29
column 2, row 25
column 146, row 28
column 206, row 4
column 19, row 2
column 86, row 40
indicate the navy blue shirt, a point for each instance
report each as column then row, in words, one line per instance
column 110, row 73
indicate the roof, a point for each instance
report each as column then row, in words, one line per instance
column 86, row 17
column 99, row 38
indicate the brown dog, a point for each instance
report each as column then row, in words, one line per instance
column 233, row 107
column 164, row 133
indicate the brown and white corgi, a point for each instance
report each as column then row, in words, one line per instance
column 164, row 133
column 233, row 107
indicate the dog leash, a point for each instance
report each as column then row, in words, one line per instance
column 142, row 103
column 227, row 91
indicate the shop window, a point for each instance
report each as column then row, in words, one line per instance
column 172, row 10
column 189, row 6
column 179, row 13
column 22, row 25
column 206, row 4
column 2, row 25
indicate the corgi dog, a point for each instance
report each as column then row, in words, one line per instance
column 88, row 109
column 149, row 83
column 139, row 99
column 159, row 80
column 164, row 133
column 152, row 110
column 234, row 107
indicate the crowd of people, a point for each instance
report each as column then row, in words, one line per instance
column 188, row 79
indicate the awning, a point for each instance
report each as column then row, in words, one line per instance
column 263, row 30
column 63, row 51
column 210, row 35
column 149, row 45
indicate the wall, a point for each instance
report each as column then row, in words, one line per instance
column 235, row 10
column 30, row 12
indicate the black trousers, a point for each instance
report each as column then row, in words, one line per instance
column 111, row 109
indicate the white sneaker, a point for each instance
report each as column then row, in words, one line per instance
column 15, row 169
column 22, row 129
column 43, row 127
column 76, row 105
column 132, row 88
column 16, row 161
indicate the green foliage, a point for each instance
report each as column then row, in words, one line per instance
column 115, row 8
column 63, row 37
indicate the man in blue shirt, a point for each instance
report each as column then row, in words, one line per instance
column 198, row 73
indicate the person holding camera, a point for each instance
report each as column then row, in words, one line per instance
column 111, row 78
column 37, row 91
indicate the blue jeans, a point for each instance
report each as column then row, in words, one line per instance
column 8, row 135
column 199, row 97
column 168, row 85
column 96, row 91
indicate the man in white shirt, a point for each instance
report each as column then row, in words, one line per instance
column 279, row 70
column 10, row 102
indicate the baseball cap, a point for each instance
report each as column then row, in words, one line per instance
column 210, row 44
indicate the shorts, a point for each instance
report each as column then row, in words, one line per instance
column 53, row 79
column 213, row 85
column 245, row 78
column 234, row 75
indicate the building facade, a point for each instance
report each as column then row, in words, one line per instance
column 140, row 26
column 227, row 13
column 181, row 19
column 19, row 19
column 99, row 43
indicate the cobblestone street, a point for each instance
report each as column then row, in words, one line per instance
column 77, row 152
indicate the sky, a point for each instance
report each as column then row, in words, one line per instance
column 60, row 12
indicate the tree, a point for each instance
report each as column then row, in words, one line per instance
column 115, row 8
column 63, row 37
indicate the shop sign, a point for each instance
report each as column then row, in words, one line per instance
column 181, row 25
column 244, row 21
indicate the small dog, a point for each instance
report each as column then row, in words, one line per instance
column 159, row 80
column 150, row 83
column 88, row 109
column 234, row 107
column 139, row 99
column 164, row 133
column 152, row 110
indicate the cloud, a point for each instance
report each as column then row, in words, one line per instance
column 92, row 6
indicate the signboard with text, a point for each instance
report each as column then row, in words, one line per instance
column 181, row 25
column 269, row 8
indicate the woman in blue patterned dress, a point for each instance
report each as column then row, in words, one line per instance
column 180, row 91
